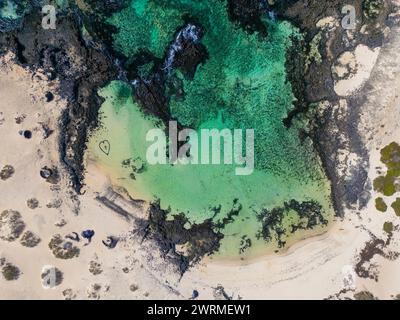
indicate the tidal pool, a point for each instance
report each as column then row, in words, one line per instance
column 241, row 85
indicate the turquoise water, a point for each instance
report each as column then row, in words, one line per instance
column 242, row 85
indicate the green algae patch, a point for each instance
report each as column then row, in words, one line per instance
column 9, row 10
column 396, row 207
column 385, row 185
column 390, row 156
column 380, row 205
column 241, row 85
column 388, row 227
column 146, row 25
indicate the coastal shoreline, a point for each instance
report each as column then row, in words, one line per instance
column 313, row 268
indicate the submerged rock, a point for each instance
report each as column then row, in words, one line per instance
column 248, row 13
column 186, row 53
column 309, row 214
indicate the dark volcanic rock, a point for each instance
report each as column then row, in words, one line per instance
column 80, row 69
column 51, row 175
column 199, row 239
column 248, row 14
column 150, row 95
column 152, row 79
column 106, row 7
column 187, row 52
column 312, row 82
column 309, row 213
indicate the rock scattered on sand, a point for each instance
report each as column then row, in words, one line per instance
column 10, row 272
column 95, row 267
column 27, row 134
column 63, row 249
column 364, row 295
column 29, row 239
column 220, row 293
column 61, row 223
column 50, row 174
column 93, row 291
column 51, row 277
column 56, row 203
column 32, row 203
column 7, row 172
column 133, row 287
column 125, row 270
column 46, row 130
column 11, row 225
column 69, row 294
column 49, row 96
column 20, row 119
column 345, row 66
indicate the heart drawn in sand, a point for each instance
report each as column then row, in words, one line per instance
column 105, row 146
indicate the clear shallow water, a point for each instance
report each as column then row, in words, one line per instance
column 241, row 85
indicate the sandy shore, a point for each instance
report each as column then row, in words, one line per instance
column 24, row 97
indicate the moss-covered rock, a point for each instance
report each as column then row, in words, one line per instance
column 385, row 185
column 380, row 205
column 396, row 207
column 388, row 227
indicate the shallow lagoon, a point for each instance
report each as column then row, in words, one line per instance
column 243, row 85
